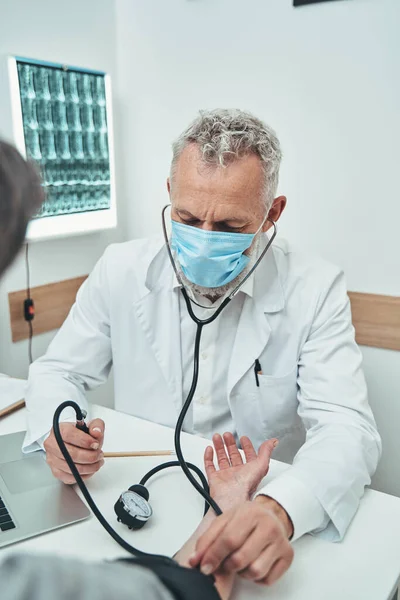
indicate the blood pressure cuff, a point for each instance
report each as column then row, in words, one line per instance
column 182, row 583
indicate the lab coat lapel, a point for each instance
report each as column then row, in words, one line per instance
column 254, row 330
column 158, row 313
column 252, row 336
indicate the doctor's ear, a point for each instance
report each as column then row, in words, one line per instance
column 168, row 185
column 277, row 208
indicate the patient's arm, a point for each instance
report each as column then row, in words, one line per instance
column 233, row 483
column 223, row 581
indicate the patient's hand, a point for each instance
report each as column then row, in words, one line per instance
column 236, row 481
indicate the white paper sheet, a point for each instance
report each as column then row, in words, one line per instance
column 11, row 390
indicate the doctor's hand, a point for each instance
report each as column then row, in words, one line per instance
column 250, row 540
column 85, row 450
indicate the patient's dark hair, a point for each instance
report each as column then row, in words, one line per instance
column 21, row 196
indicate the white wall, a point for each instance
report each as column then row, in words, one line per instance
column 80, row 33
column 327, row 78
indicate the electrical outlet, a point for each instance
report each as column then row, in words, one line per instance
column 304, row 2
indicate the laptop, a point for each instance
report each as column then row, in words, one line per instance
column 32, row 501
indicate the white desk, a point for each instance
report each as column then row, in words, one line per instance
column 366, row 566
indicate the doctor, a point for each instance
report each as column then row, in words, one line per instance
column 280, row 361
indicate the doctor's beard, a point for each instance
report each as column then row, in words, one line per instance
column 215, row 294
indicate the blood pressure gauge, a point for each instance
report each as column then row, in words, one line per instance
column 132, row 507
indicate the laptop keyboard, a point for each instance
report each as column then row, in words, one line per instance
column 6, row 521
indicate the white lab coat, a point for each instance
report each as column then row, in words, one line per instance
column 298, row 324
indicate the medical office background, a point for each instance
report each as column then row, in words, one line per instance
column 325, row 76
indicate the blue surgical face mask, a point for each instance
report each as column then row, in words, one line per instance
column 210, row 258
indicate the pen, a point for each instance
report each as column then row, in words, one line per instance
column 257, row 371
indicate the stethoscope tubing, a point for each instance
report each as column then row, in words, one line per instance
column 202, row 488
column 200, row 324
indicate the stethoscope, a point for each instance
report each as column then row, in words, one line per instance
column 132, row 507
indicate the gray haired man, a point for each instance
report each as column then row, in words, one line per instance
column 279, row 362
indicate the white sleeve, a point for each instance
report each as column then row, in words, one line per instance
column 78, row 359
column 304, row 509
column 342, row 445
column 321, row 491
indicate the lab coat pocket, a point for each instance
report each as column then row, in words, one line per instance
column 278, row 403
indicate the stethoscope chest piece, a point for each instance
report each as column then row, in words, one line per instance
column 132, row 507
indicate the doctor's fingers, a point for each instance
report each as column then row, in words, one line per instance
column 212, row 550
column 233, row 451
column 58, row 465
column 96, row 430
column 226, row 535
column 209, row 461
column 253, row 546
column 71, row 434
column 269, row 565
column 248, row 448
column 78, row 455
column 256, row 557
column 276, row 572
column 65, row 478
column 264, row 455
column 216, row 528
column 222, row 457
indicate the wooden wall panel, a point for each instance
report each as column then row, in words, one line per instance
column 52, row 305
column 376, row 320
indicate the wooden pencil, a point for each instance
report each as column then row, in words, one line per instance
column 139, row 453
column 8, row 410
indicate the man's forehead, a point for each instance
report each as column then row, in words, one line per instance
column 219, row 216
column 235, row 191
column 240, row 180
